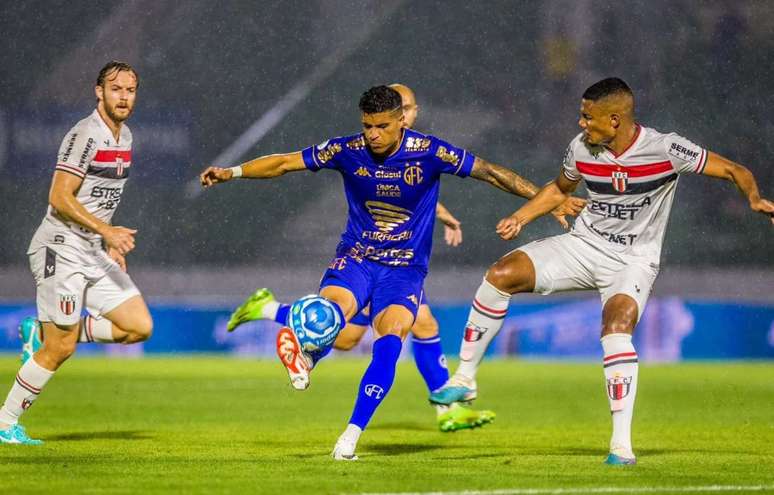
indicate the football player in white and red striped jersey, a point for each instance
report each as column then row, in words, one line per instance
column 631, row 173
column 76, row 255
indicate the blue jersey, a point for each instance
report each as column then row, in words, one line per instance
column 392, row 200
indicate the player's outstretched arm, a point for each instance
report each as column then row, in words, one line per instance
column 62, row 198
column 555, row 193
column 452, row 230
column 264, row 167
column 723, row 168
column 503, row 178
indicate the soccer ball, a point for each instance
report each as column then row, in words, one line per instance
column 316, row 322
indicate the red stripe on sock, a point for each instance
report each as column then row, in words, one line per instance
column 26, row 385
column 490, row 310
column 623, row 354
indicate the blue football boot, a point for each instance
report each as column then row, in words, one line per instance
column 15, row 435
column 457, row 389
column 617, row 460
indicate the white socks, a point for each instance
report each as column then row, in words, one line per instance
column 30, row 380
column 96, row 330
column 484, row 321
column 620, row 366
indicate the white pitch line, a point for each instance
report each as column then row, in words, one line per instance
column 609, row 489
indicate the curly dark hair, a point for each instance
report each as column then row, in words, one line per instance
column 380, row 99
column 115, row 65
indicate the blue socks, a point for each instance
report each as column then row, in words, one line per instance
column 282, row 314
column 430, row 360
column 377, row 379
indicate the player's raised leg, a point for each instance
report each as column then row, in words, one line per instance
column 296, row 361
column 392, row 324
column 261, row 305
column 619, row 317
column 511, row 274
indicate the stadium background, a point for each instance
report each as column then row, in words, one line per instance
column 501, row 78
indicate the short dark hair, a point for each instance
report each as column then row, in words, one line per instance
column 606, row 87
column 380, row 99
column 115, row 65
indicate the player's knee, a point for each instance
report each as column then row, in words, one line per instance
column 503, row 276
column 344, row 344
column 425, row 328
column 142, row 329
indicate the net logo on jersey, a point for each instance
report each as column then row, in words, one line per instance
column 387, row 217
column 620, row 180
column 67, row 304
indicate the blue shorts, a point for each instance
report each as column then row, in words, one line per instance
column 363, row 317
column 376, row 284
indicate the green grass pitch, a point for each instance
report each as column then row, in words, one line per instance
column 230, row 425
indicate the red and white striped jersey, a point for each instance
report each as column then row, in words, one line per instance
column 630, row 195
column 90, row 152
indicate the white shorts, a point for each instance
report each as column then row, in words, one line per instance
column 568, row 262
column 68, row 279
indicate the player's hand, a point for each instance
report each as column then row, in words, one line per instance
column 572, row 206
column 452, row 230
column 119, row 238
column 215, row 175
column 117, row 257
column 509, row 227
column 764, row 206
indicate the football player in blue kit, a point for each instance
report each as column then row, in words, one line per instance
column 391, row 181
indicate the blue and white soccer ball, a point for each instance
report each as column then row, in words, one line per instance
column 316, row 322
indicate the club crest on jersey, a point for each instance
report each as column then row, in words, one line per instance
column 67, row 303
column 412, row 174
column 473, row 332
column 618, row 387
column 620, row 180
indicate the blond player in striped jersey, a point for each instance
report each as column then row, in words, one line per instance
column 76, row 255
column 631, row 173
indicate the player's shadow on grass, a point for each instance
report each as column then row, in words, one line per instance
column 102, row 435
column 400, row 448
column 429, row 427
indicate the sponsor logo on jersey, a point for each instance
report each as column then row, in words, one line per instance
column 683, row 153
column 388, row 174
column 374, row 391
column 473, row 332
column 59, row 239
column 338, row 263
column 363, row 172
column 387, row 217
column 324, row 155
column 110, row 196
column 83, row 162
column 356, row 144
column 67, row 304
column 388, row 256
column 388, row 190
column 447, row 156
column 618, row 387
column 412, row 174
column 70, row 144
column 375, row 235
column 619, row 211
column 622, row 239
column 620, row 180
column 322, row 145
column 414, row 144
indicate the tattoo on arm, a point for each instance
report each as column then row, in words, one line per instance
column 503, row 178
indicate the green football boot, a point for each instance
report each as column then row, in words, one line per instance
column 251, row 309
column 29, row 333
column 458, row 417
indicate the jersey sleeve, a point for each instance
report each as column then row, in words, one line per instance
column 76, row 152
column 569, row 168
column 452, row 160
column 686, row 156
column 325, row 155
